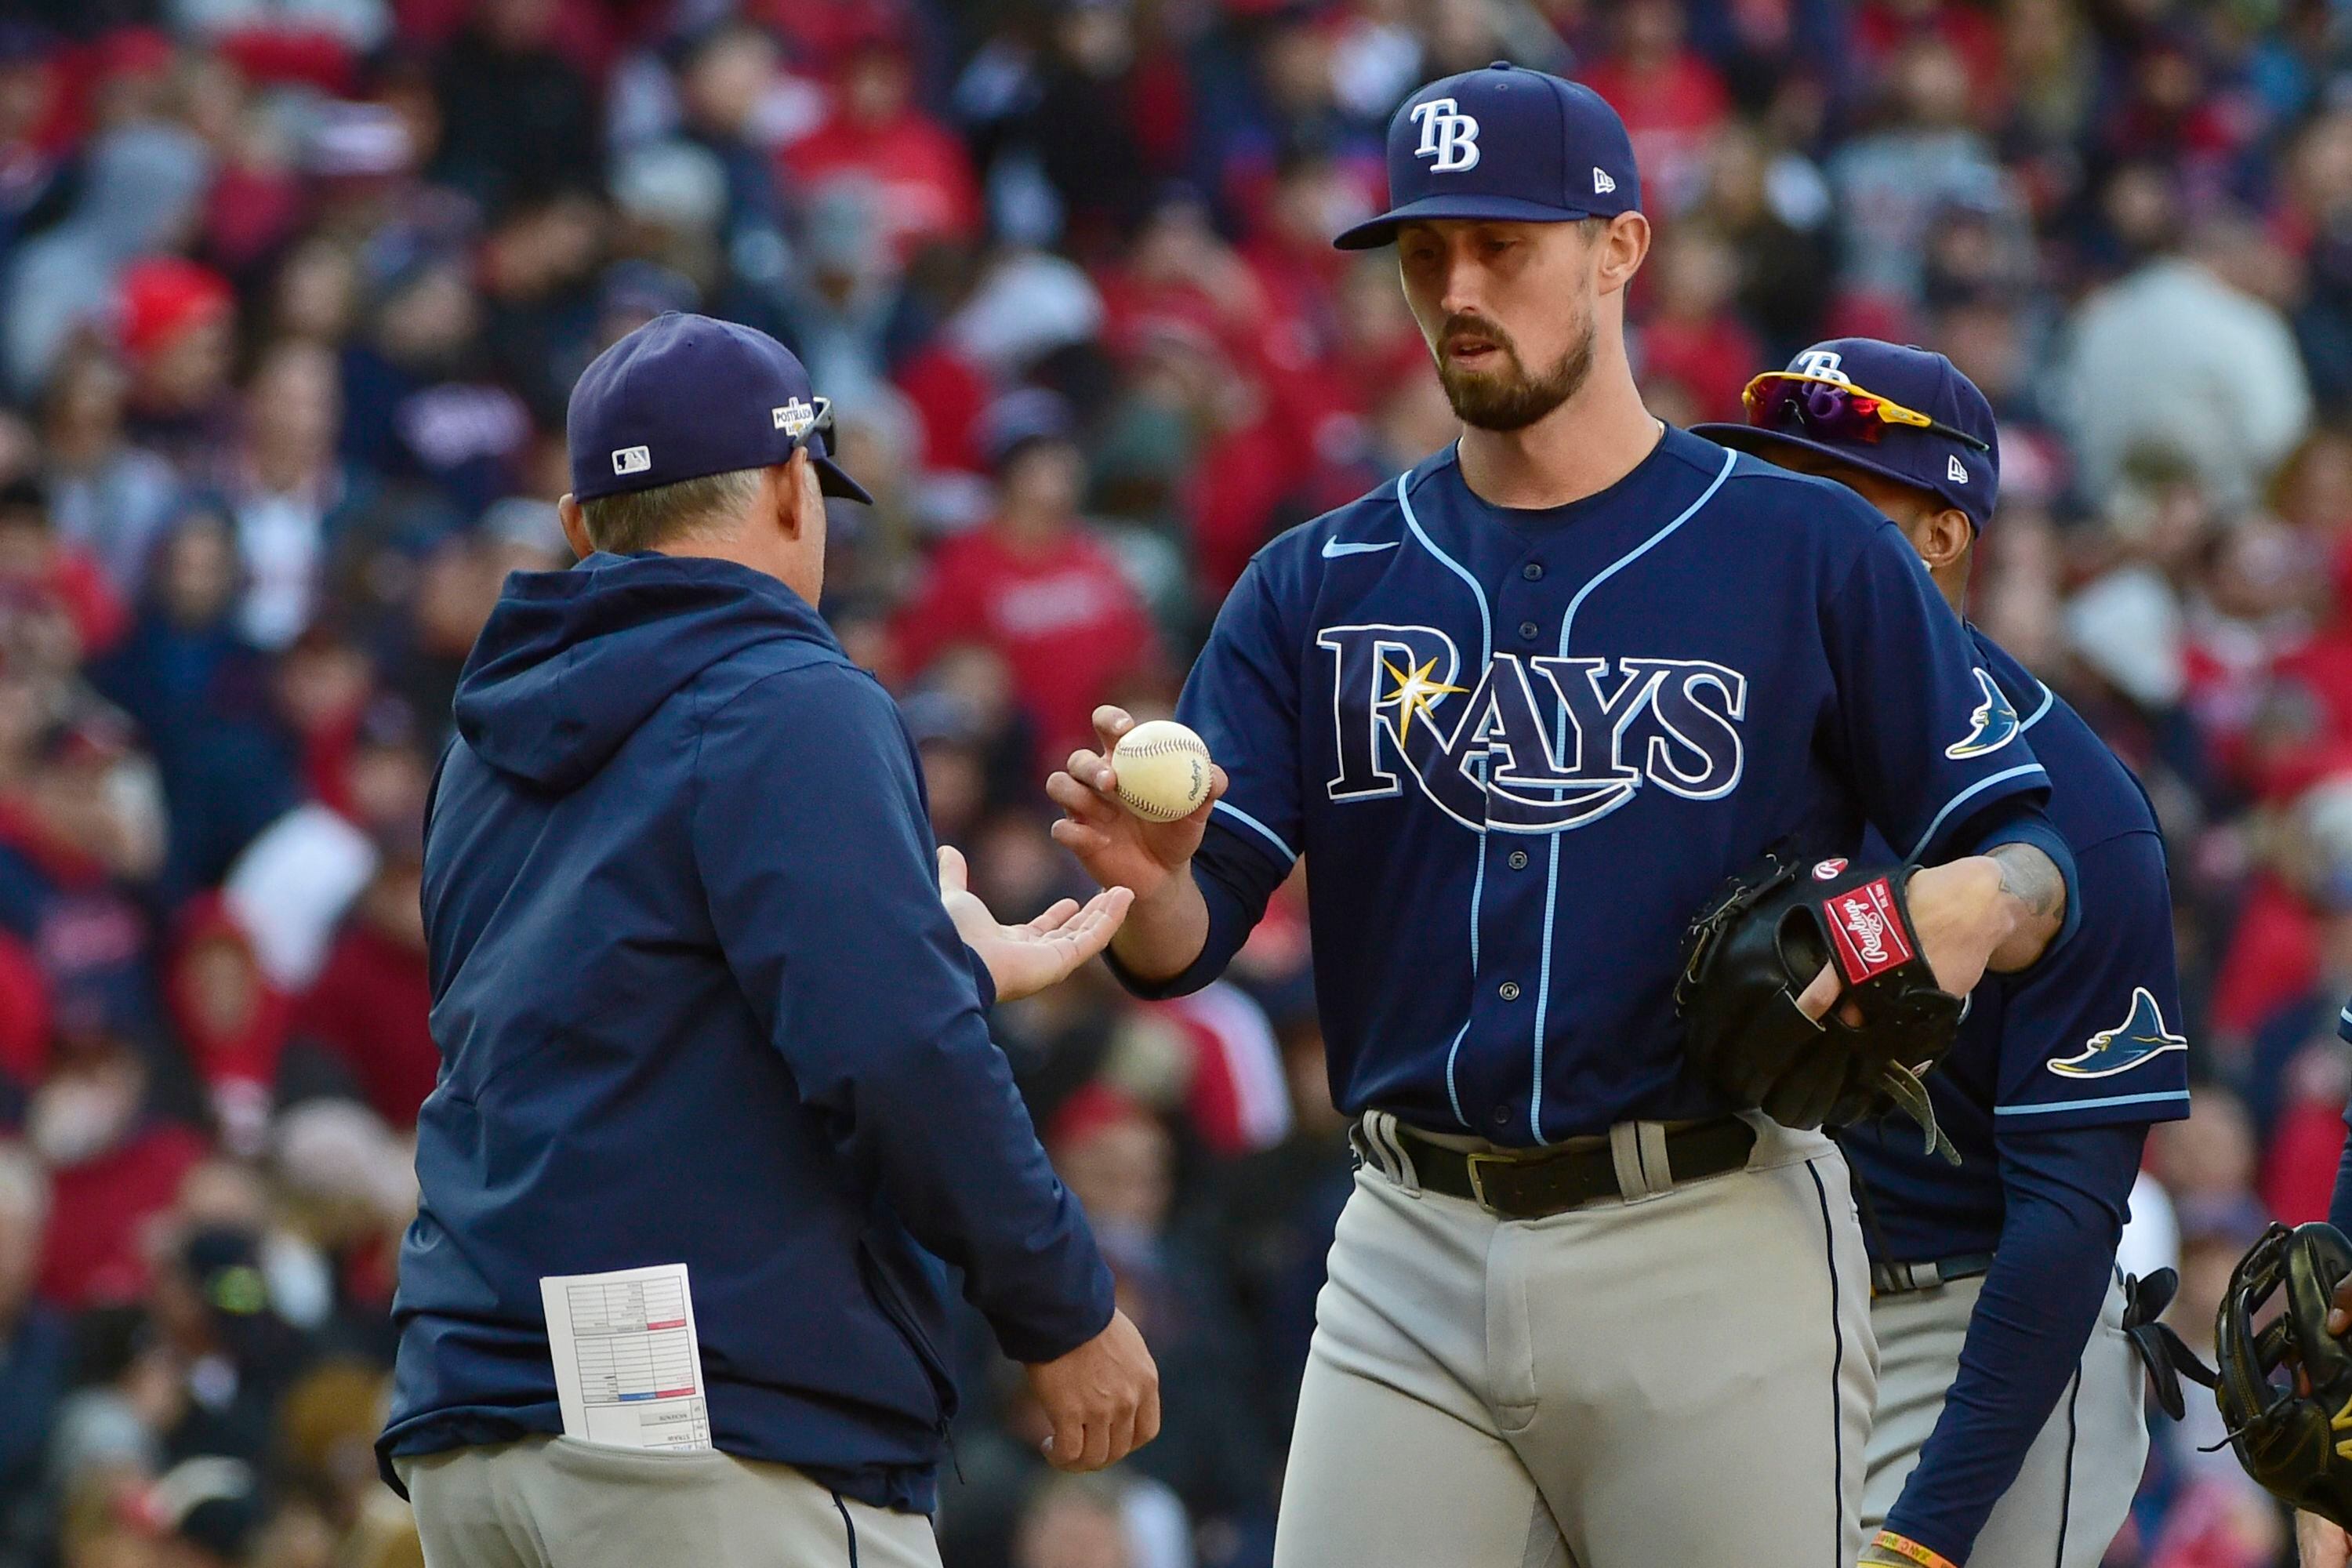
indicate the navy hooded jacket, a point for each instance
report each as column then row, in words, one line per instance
column 698, row 1000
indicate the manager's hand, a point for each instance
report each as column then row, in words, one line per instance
column 1026, row 959
column 1103, row 1399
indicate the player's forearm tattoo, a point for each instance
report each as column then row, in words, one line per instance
column 2029, row 876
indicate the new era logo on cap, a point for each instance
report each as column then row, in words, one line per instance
column 1602, row 184
column 1955, row 470
column 633, row 461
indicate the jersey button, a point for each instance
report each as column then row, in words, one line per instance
column 1519, row 859
column 1531, row 572
column 1528, row 630
column 1509, row 990
column 1502, row 1116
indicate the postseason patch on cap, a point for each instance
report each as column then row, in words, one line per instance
column 632, row 460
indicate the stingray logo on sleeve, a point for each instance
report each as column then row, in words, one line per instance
column 2139, row 1039
column 1993, row 724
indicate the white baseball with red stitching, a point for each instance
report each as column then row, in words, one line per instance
column 1163, row 770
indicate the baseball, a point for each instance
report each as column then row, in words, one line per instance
column 1163, row 770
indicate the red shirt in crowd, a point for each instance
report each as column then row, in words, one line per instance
column 1671, row 110
column 370, row 1007
column 1063, row 616
column 94, row 1252
column 926, row 183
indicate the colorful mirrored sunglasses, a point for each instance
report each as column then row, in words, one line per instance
column 1836, row 410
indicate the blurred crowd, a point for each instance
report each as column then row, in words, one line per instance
column 291, row 294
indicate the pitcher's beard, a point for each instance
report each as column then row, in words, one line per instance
column 1511, row 399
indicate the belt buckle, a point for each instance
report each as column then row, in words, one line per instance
column 1478, row 1181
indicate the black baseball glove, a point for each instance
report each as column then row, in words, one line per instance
column 2286, row 1387
column 1751, row 953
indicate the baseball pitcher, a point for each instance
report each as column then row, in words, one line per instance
column 1523, row 711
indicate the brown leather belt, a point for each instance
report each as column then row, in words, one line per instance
column 1538, row 1182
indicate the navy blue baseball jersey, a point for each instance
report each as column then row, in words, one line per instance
column 1521, row 748
column 2088, row 1037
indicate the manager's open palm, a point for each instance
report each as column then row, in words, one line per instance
column 1026, row 959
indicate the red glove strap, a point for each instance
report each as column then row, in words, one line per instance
column 1866, row 931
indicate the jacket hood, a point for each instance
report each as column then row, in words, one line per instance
column 569, row 663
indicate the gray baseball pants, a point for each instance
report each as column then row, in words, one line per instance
column 554, row 1502
column 1683, row 1377
column 2068, row 1501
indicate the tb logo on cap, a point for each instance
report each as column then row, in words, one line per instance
column 1448, row 135
column 1823, row 362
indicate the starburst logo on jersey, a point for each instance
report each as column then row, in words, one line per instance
column 2139, row 1039
column 1415, row 693
column 1992, row 726
column 1533, row 743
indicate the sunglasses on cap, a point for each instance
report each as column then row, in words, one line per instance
column 801, row 421
column 1838, row 410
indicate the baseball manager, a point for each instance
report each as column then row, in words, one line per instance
column 701, row 1001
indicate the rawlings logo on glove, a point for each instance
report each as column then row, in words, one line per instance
column 1753, row 951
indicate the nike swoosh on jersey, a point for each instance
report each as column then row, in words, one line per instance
column 1333, row 549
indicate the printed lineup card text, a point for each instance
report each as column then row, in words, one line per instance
column 628, row 1367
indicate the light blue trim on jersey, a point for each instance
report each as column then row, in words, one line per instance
column 1486, row 621
column 1452, row 1093
column 2048, row 699
column 2345, row 1015
column 1551, row 878
column 1260, row 828
column 1576, row 604
column 1478, row 894
column 1478, row 886
column 2057, row 1106
column 2023, row 769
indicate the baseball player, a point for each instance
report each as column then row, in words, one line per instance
column 2010, row 1424
column 2322, row 1542
column 1523, row 710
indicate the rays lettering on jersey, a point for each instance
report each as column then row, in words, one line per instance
column 1536, row 743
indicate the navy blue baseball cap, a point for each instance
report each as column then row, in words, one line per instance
column 685, row 395
column 1828, row 400
column 1504, row 142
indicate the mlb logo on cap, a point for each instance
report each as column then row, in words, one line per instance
column 684, row 396
column 1503, row 143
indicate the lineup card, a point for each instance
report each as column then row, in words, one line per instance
column 628, row 1367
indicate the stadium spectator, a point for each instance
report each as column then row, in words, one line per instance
column 291, row 296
